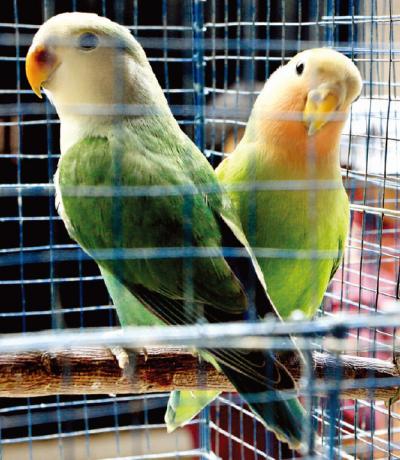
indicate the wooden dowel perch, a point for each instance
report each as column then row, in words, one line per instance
column 96, row 371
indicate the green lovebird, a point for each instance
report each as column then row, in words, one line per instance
column 138, row 196
column 297, row 221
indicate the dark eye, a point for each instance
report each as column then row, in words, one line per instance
column 299, row 68
column 88, row 41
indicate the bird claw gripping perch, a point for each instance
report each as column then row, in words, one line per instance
column 124, row 361
column 396, row 361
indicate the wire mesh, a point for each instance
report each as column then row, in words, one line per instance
column 211, row 58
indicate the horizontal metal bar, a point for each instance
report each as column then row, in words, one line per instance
column 246, row 335
column 375, row 210
column 80, row 402
column 91, row 431
column 53, row 280
column 62, row 310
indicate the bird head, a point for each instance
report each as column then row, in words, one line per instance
column 307, row 99
column 82, row 59
column 328, row 83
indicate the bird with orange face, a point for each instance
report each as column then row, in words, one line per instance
column 297, row 214
column 286, row 186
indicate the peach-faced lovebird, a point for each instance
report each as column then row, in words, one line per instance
column 142, row 200
column 296, row 213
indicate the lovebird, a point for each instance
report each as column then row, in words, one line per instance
column 141, row 199
column 297, row 220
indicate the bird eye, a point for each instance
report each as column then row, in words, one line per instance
column 88, row 41
column 299, row 68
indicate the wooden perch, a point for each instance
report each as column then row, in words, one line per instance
column 96, row 371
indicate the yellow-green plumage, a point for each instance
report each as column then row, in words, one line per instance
column 302, row 232
column 297, row 222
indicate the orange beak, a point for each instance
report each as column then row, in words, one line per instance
column 40, row 64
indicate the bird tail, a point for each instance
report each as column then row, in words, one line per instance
column 280, row 412
column 185, row 405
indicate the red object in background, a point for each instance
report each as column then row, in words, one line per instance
column 369, row 284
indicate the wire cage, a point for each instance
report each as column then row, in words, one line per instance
column 212, row 58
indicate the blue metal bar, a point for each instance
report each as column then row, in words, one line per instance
column 165, row 47
column 199, row 84
column 330, row 30
column 198, row 71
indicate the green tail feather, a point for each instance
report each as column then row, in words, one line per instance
column 186, row 404
column 286, row 418
column 281, row 413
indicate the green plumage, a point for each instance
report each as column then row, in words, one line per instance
column 304, row 230
column 129, row 310
column 112, row 220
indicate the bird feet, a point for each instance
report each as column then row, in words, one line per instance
column 393, row 399
column 124, row 362
column 396, row 396
column 121, row 356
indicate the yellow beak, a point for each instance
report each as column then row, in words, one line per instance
column 40, row 64
column 320, row 108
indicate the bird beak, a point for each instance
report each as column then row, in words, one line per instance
column 40, row 65
column 321, row 105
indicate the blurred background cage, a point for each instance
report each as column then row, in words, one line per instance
column 211, row 57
